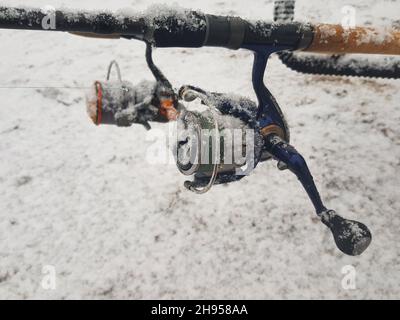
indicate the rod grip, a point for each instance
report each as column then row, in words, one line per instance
column 336, row 39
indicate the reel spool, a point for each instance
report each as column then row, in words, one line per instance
column 212, row 146
column 190, row 158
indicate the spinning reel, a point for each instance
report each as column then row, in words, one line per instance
column 260, row 132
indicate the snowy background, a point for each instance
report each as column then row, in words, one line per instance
column 84, row 199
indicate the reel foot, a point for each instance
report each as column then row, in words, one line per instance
column 351, row 237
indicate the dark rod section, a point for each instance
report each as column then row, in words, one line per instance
column 175, row 28
column 186, row 29
column 74, row 21
column 235, row 33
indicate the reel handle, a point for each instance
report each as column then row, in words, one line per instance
column 351, row 237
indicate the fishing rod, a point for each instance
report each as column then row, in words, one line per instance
column 185, row 28
column 264, row 131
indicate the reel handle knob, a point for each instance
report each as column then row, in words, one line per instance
column 351, row 237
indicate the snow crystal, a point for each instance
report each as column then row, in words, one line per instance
column 326, row 32
column 378, row 36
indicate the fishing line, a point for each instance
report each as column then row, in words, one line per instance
column 45, row 87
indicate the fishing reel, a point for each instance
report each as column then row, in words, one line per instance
column 223, row 140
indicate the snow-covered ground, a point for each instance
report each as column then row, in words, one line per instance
column 85, row 200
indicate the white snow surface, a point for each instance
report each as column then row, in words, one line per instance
column 86, row 200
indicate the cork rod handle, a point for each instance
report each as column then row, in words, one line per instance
column 337, row 40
